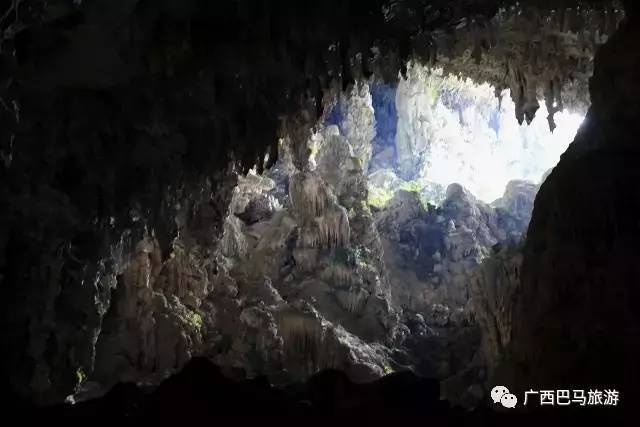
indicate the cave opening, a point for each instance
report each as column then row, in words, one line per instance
column 323, row 208
column 383, row 226
column 432, row 130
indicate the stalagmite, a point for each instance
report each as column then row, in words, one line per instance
column 233, row 240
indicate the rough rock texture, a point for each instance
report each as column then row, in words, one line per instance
column 358, row 126
column 514, row 208
column 537, row 51
column 413, row 102
column 113, row 113
column 438, row 261
column 430, row 254
column 153, row 326
column 302, row 288
column 119, row 119
column 574, row 320
column 493, row 290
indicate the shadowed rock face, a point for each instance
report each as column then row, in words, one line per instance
column 574, row 321
column 119, row 120
column 201, row 392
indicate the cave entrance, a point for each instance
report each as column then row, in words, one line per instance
column 364, row 247
column 431, row 130
column 452, row 177
column 450, row 174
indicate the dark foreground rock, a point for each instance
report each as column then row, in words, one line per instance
column 201, row 391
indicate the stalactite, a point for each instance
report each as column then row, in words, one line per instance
column 310, row 197
column 303, row 337
column 334, row 231
column 328, row 231
column 352, row 300
column 340, row 276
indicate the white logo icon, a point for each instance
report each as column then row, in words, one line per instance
column 497, row 392
column 509, row 400
column 500, row 394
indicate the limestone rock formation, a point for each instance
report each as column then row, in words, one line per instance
column 306, row 280
column 442, row 246
column 454, row 130
column 413, row 103
column 441, row 265
column 153, row 327
column 122, row 123
column 493, row 290
column 359, row 123
column 514, row 209
column 573, row 319
column 537, row 51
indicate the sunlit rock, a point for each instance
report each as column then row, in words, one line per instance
column 359, row 123
column 234, row 244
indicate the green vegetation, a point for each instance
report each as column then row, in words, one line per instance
column 412, row 187
column 364, row 207
column 81, row 377
column 416, row 187
column 194, row 320
column 313, row 150
column 364, row 266
column 433, row 92
column 358, row 163
column 379, row 197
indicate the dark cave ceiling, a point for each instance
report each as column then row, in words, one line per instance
column 226, row 78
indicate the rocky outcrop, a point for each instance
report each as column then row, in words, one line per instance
column 493, row 290
column 514, row 209
column 456, row 293
column 359, row 123
column 533, row 50
column 574, row 321
column 302, row 288
column 431, row 254
column 110, row 112
column 415, row 99
column 154, row 325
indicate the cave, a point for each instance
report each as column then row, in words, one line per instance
column 394, row 207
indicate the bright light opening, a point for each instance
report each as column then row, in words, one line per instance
column 484, row 159
column 443, row 130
